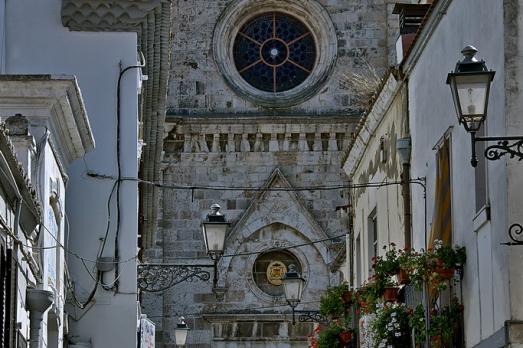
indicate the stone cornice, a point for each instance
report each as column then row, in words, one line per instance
column 54, row 102
column 32, row 210
column 106, row 15
column 368, row 124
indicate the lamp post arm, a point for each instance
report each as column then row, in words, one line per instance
column 159, row 277
column 511, row 146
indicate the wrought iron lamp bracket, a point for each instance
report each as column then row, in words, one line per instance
column 159, row 277
column 515, row 232
column 503, row 147
column 310, row 317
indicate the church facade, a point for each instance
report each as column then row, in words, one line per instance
column 258, row 122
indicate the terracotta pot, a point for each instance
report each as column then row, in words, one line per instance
column 345, row 337
column 445, row 273
column 346, row 298
column 403, row 277
column 390, row 294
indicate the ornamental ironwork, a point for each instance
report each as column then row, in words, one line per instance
column 504, row 148
column 159, row 277
column 511, row 147
column 515, row 232
column 310, row 317
column 274, row 52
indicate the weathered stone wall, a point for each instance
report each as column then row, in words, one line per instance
column 276, row 153
column 196, row 86
column 216, row 138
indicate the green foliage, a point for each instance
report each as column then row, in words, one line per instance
column 417, row 323
column 387, row 265
column 329, row 338
column 443, row 322
column 332, row 304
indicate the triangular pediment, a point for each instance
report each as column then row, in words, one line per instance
column 277, row 202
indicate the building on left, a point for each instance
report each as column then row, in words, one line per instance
column 61, row 60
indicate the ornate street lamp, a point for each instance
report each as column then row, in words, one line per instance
column 156, row 277
column 214, row 229
column 293, row 284
column 470, row 87
column 181, row 331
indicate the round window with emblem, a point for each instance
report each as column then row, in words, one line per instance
column 269, row 269
column 274, row 52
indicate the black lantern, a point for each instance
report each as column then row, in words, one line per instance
column 293, row 286
column 214, row 229
column 181, row 331
column 470, row 87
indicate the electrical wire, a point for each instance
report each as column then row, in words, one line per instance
column 118, row 161
column 236, row 311
column 258, row 189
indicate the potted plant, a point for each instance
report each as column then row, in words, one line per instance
column 390, row 292
column 336, row 337
column 390, row 326
column 332, row 303
column 388, row 265
column 443, row 323
column 347, row 337
column 442, row 262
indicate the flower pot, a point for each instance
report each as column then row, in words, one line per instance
column 345, row 337
column 403, row 277
column 445, row 273
column 346, row 298
column 390, row 294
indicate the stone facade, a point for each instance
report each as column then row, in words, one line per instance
column 198, row 88
column 215, row 137
column 271, row 153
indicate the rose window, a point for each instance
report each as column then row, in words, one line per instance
column 274, row 52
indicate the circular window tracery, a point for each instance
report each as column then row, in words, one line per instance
column 269, row 268
column 309, row 15
column 274, row 52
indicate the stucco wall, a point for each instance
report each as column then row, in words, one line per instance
column 379, row 162
column 37, row 43
column 486, row 282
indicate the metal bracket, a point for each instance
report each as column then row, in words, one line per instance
column 159, row 277
column 515, row 232
column 497, row 151
column 310, row 317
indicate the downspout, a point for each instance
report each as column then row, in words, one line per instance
column 15, row 273
column 37, row 302
column 407, row 214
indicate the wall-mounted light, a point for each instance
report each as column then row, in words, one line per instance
column 470, row 87
column 403, row 147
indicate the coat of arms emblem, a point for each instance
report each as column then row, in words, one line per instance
column 275, row 272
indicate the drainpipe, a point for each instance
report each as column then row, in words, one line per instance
column 403, row 148
column 37, row 302
column 405, row 193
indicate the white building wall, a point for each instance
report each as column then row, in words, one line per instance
column 373, row 159
column 432, row 115
column 37, row 43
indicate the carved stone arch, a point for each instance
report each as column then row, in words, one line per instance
column 273, row 237
column 275, row 206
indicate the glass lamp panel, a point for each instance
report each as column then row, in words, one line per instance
column 181, row 335
column 214, row 235
column 293, row 289
column 472, row 93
